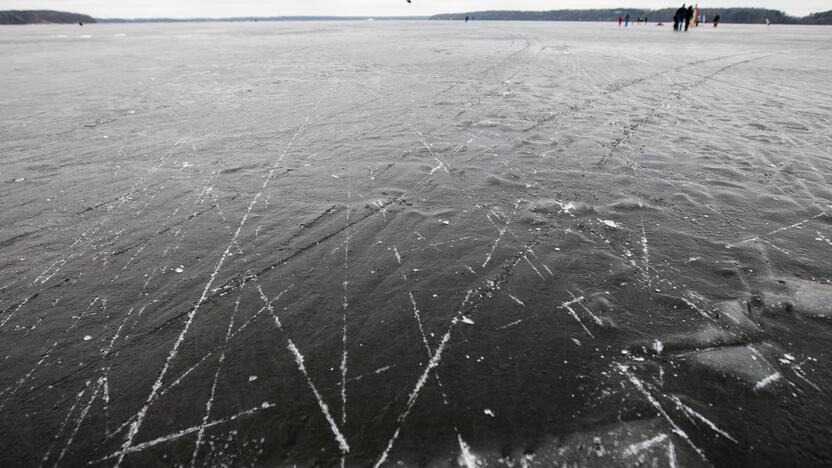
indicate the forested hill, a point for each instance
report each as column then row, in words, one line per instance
column 824, row 17
column 727, row 15
column 42, row 16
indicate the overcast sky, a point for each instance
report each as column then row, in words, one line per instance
column 227, row 8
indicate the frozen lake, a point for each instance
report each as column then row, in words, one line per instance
column 519, row 244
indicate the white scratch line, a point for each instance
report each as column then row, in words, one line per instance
column 468, row 459
column 502, row 231
column 186, row 373
column 573, row 301
column 516, row 300
column 791, row 226
column 234, row 334
column 63, row 424
column 509, row 325
column 646, row 253
column 597, row 319
column 634, row 449
column 411, row 400
column 798, row 371
column 692, row 412
column 494, row 247
column 419, row 322
column 676, row 429
column 432, row 364
column 467, row 297
column 342, row 442
column 533, row 267
column 763, row 383
column 12, row 314
column 26, row 377
column 380, row 370
column 578, row 319
column 137, row 424
column 671, row 454
column 398, row 257
column 346, row 284
column 779, row 249
column 695, row 307
column 80, row 420
column 210, row 403
column 440, row 165
column 540, row 261
column 184, row 432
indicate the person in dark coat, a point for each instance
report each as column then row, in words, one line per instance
column 678, row 18
column 716, row 21
column 688, row 17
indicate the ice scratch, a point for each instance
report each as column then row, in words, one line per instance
column 692, row 412
column 645, row 253
column 509, row 325
column 658, row 407
column 784, row 228
column 136, row 425
column 184, row 432
column 342, row 442
column 339, row 437
column 210, row 403
column 763, row 383
column 638, row 447
column 516, row 300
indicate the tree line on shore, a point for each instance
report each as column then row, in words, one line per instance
column 727, row 15
column 42, row 17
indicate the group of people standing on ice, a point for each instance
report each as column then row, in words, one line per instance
column 682, row 19
column 685, row 16
column 625, row 20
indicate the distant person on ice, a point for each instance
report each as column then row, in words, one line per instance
column 627, row 20
column 688, row 17
column 620, row 20
column 716, row 20
column 678, row 18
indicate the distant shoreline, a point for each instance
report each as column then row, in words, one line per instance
column 727, row 15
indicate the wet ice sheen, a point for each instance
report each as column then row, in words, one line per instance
column 419, row 243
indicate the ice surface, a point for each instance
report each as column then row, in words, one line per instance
column 429, row 243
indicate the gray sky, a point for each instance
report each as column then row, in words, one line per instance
column 227, row 8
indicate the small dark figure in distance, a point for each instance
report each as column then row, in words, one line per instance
column 678, row 18
column 80, row 24
column 466, row 19
column 716, row 20
column 627, row 21
column 620, row 20
column 688, row 17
